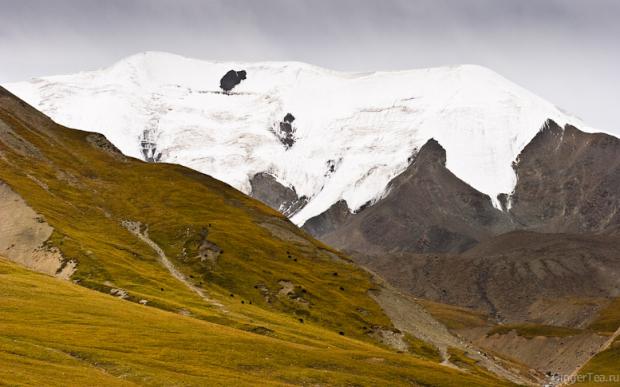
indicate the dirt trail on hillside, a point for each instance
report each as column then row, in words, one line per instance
column 410, row 317
column 23, row 237
column 135, row 228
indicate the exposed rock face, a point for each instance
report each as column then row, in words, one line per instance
column 199, row 249
column 23, row 234
column 148, row 145
column 568, row 181
column 330, row 220
column 268, row 190
column 559, row 355
column 510, row 275
column 101, row 142
column 427, row 208
column 286, row 132
column 232, row 79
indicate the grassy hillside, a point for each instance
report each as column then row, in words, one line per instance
column 455, row 317
column 85, row 193
column 608, row 321
column 534, row 330
column 603, row 369
column 58, row 333
column 261, row 299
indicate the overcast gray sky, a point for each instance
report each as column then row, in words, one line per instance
column 567, row 51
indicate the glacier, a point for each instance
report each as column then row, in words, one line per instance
column 354, row 132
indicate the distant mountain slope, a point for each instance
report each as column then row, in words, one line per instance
column 547, row 264
column 346, row 137
column 552, row 294
column 511, row 276
column 426, row 208
column 567, row 181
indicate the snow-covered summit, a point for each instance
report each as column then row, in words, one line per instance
column 353, row 132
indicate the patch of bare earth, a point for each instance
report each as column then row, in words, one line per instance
column 23, row 237
column 559, row 355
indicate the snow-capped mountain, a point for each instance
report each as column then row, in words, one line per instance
column 345, row 136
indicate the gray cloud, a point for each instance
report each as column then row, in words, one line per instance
column 567, row 51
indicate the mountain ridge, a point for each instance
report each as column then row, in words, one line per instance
column 482, row 119
column 566, row 183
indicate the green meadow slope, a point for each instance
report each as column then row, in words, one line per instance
column 85, row 191
column 216, row 286
column 58, row 333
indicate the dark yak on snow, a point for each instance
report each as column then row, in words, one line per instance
column 232, row 79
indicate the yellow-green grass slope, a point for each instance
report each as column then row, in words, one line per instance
column 84, row 189
column 85, row 193
column 58, row 333
column 455, row 317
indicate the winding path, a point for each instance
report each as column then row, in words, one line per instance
column 134, row 228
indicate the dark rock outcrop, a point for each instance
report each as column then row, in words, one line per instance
column 289, row 118
column 286, row 132
column 568, row 181
column 268, row 190
column 101, row 142
column 427, row 208
column 232, row 79
column 330, row 220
